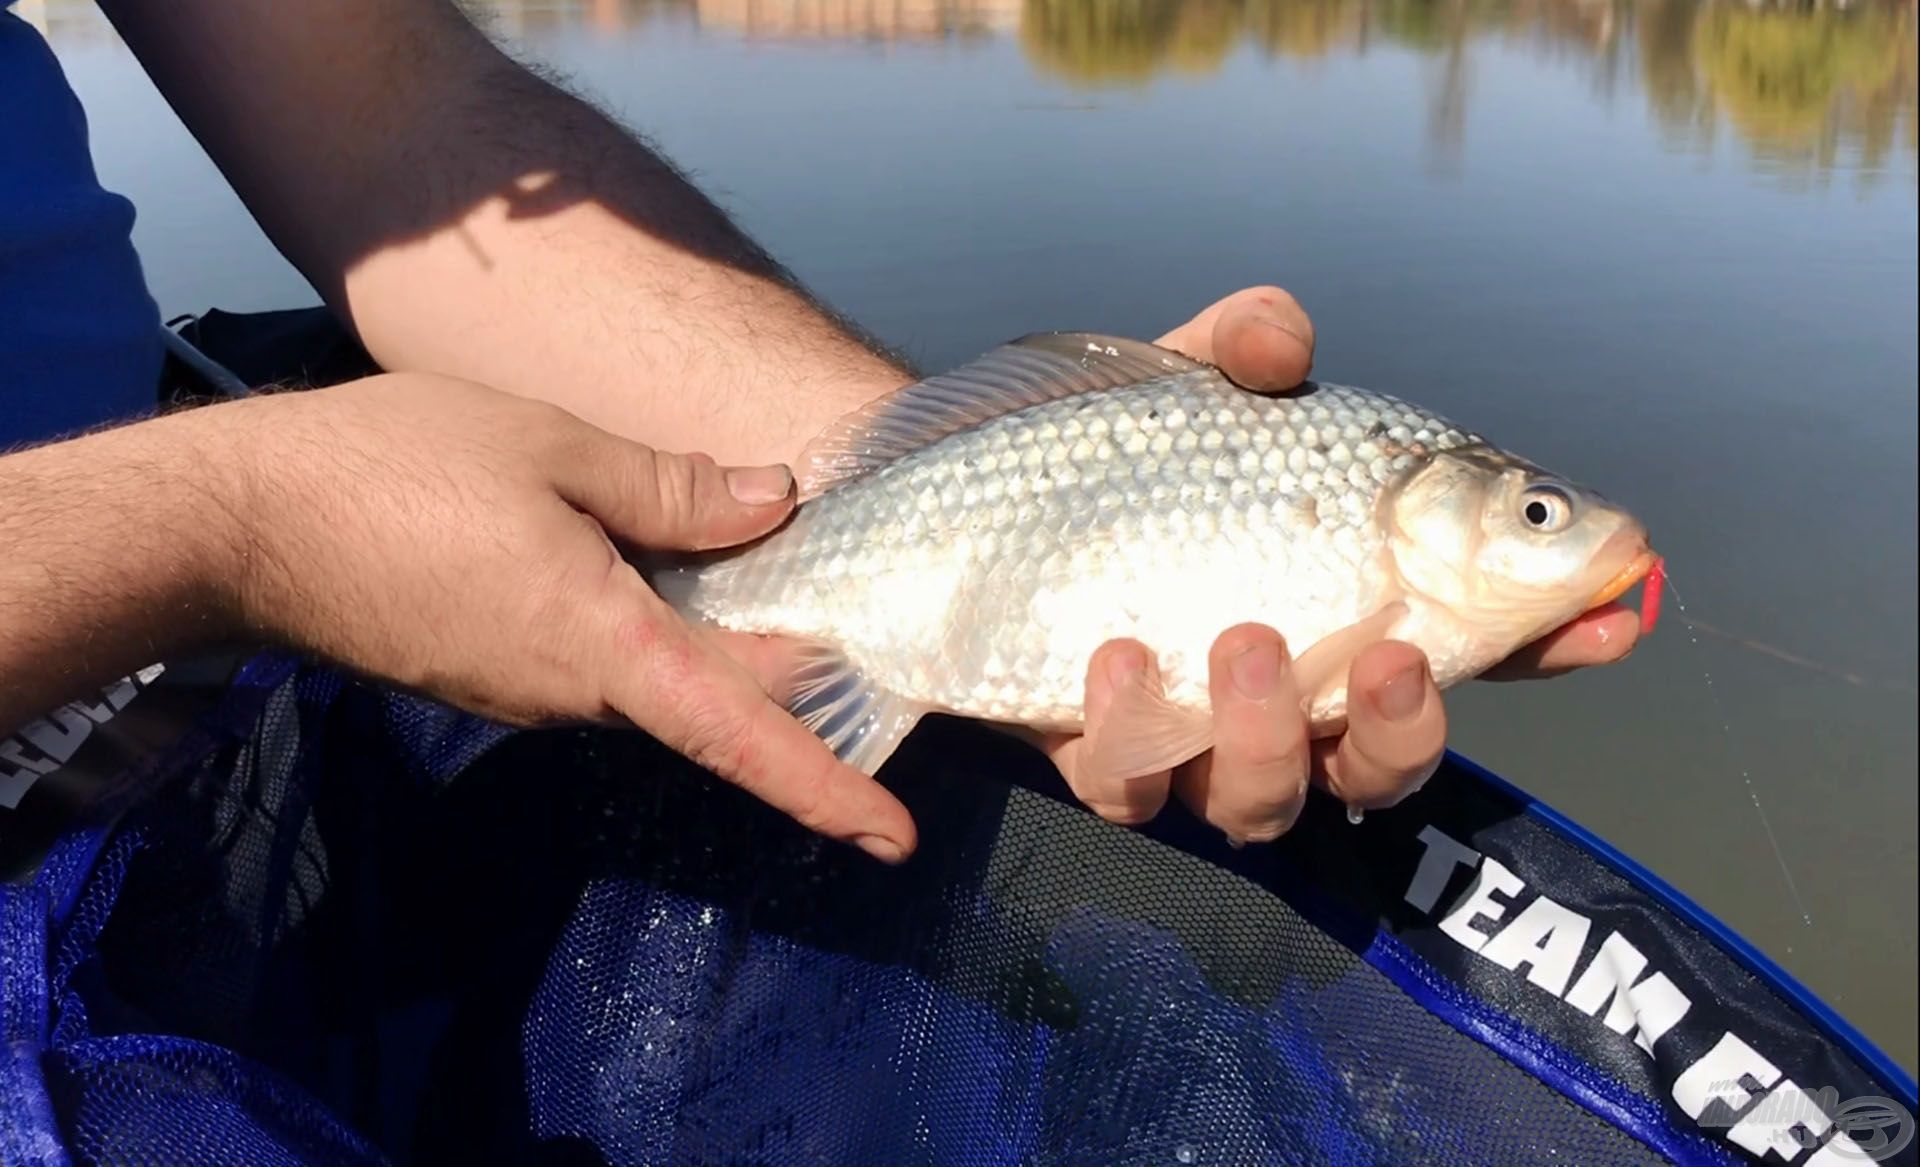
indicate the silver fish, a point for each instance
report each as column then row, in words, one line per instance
column 965, row 544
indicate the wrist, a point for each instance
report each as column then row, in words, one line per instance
column 122, row 550
column 221, row 453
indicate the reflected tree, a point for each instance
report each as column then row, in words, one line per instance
column 1800, row 84
column 1128, row 41
column 1308, row 29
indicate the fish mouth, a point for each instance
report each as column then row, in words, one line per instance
column 1624, row 579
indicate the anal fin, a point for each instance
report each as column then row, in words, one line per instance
column 860, row 722
column 1323, row 668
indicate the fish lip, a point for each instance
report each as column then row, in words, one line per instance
column 1624, row 579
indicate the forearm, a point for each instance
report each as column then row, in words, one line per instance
column 113, row 552
column 468, row 218
column 609, row 285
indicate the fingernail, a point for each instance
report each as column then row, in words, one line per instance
column 881, row 848
column 759, row 485
column 1256, row 670
column 1124, row 665
column 1404, row 695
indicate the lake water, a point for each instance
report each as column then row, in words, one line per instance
column 1668, row 248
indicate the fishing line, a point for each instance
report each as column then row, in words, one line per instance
column 1753, row 792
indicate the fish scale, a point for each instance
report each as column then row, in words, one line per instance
column 975, row 539
column 1005, row 555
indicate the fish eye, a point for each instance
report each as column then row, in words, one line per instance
column 1546, row 508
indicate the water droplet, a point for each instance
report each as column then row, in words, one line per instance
column 1185, row 1154
column 1355, row 814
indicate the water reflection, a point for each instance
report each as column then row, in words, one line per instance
column 1804, row 88
column 862, row 19
column 1801, row 86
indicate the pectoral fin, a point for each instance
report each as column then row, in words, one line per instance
column 1144, row 733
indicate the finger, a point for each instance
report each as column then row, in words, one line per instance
column 1603, row 636
column 1396, row 728
column 685, row 691
column 1254, row 782
column 683, row 502
column 1120, row 675
column 1260, row 338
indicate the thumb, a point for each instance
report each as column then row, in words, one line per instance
column 678, row 502
column 1260, row 337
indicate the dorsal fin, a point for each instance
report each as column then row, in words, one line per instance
column 1042, row 367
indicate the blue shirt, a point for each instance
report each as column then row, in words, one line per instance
column 80, row 340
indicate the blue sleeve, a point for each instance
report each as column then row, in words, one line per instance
column 80, row 339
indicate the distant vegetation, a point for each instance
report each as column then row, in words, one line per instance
column 1798, row 83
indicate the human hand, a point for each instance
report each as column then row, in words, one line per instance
column 460, row 541
column 1253, row 783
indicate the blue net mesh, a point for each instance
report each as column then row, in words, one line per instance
column 167, row 1101
column 362, row 928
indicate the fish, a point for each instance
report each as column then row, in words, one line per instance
column 962, row 546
